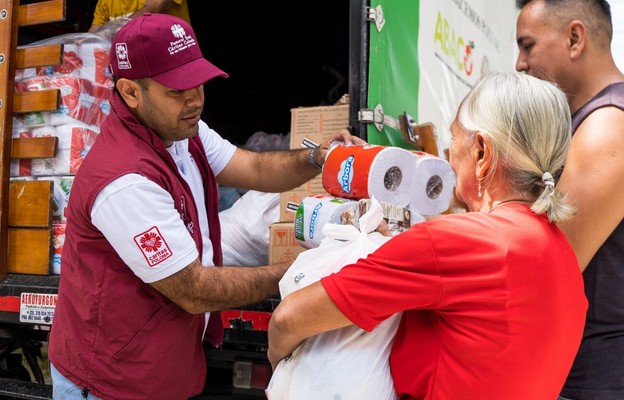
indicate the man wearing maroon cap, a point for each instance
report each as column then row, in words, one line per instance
column 139, row 290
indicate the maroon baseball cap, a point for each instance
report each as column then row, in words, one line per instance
column 161, row 47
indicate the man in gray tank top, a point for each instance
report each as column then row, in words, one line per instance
column 569, row 42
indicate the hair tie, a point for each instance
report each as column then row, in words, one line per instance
column 548, row 179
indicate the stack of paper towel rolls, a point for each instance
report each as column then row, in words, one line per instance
column 424, row 183
column 364, row 171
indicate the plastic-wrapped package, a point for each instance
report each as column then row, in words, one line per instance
column 83, row 78
column 85, row 84
column 245, row 228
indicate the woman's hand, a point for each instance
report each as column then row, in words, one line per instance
column 383, row 228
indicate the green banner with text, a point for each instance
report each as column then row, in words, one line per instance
column 425, row 55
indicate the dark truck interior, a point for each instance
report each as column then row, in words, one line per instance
column 279, row 55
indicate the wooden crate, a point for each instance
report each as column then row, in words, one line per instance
column 25, row 207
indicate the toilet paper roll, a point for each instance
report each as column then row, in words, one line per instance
column 86, row 53
column 18, row 125
column 43, row 131
column 20, row 168
column 70, row 65
column 316, row 211
column 76, row 100
column 25, row 73
column 60, row 116
column 433, row 185
column 50, row 131
column 364, row 171
column 69, row 136
column 65, row 136
column 36, row 119
column 32, row 84
column 81, row 137
column 72, row 61
column 70, row 90
column 101, row 105
column 58, row 165
column 62, row 185
column 95, row 63
column 58, row 198
column 18, row 130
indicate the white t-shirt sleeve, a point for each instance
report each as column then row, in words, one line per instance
column 219, row 151
column 139, row 220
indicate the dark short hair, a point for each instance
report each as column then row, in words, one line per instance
column 144, row 83
column 595, row 14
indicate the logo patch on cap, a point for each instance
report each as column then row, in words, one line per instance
column 153, row 246
column 121, row 50
column 184, row 41
column 178, row 31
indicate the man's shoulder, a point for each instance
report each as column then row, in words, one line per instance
column 604, row 126
column 615, row 94
column 612, row 94
column 611, row 97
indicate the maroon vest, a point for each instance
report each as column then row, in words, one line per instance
column 112, row 333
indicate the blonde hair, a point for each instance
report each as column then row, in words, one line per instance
column 528, row 122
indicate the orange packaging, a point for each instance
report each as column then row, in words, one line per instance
column 363, row 171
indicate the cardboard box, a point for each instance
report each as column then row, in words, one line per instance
column 282, row 243
column 316, row 124
column 313, row 186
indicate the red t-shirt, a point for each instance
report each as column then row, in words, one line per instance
column 493, row 305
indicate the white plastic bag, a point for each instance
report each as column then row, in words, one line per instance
column 347, row 363
column 245, row 228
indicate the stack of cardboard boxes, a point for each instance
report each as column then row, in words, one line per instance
column 316, row 124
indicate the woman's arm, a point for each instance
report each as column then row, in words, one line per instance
column 301, row 314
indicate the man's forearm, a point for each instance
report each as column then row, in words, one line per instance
column 200, row 289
